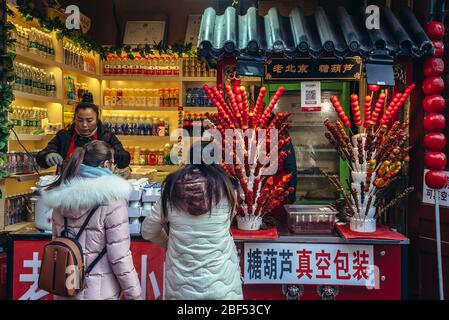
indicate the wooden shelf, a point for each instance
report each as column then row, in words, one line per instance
column 38, row 98
column 32, row 176
column 18, row 226
column 70, row 69
column 140, row 77
column 34, row 59
column 144, row 138
column 169, row 109
column 200, row 109
column 31, row 137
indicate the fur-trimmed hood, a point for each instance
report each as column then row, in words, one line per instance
column 81, row 194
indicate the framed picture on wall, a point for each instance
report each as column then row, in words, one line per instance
column 144, row 32
column 193, row 29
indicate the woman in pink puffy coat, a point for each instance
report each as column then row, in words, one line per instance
column 87, row 182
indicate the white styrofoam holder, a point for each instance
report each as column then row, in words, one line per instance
column 150, row 198
column 360, row 224
column 356, row 165
column 134, row 212
column 145, row 212
column 136, row 195
column 134, row 228
column 249, row 223
column 356, row 136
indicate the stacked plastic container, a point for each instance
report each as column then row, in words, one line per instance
column 142, row 199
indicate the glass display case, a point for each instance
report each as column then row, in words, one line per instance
column 312, row 150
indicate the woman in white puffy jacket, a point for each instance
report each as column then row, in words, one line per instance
column 198, row 203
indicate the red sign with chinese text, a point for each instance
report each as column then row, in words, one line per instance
column 148, row 261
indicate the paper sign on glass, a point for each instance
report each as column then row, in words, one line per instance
column 310, row 96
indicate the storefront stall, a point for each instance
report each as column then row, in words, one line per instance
column 321, row 58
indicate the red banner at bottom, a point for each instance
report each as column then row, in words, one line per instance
column 148, row 261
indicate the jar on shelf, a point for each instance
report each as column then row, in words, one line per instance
column 160, row 157
column 152, row 157
column 144, row 157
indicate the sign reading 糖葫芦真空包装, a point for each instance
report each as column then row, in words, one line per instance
column 305, row 263
column 349, row 68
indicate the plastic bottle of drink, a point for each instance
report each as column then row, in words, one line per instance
column 125, row 101
column 52, row 84
column 166, row 128
column 17, row 77
column 112, row 123
column 107, row 66
column 148, row 126
column 194, row 97
column 126, row 125
column 106, row 121
column 107, row 97
column 132, row 97
column 41, row 82
column 140, row 126
column 113, row 97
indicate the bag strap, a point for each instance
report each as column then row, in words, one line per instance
column 91, row 213
column 97, row 259
column 65, row 231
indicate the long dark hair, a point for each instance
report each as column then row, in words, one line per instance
column 91, row 154
column 218, row 183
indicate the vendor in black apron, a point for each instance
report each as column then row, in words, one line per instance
column 86, row 127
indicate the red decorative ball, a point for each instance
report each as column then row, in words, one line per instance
column 374, row 87
column 439, row 48
column 434, row 141
column 435, row 160
column 433, row 85
column 434, row 122
column 434, row 104
column 436, row 179
column 435, row 30
column 433, row 67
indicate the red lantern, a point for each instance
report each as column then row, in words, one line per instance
column 435, row 141
column 436, row 179
column 435, row 30
column 434, row 122
column 433, row 85
column 433, row 67
column 439, row 48
column 435, row 160
column 434, row 104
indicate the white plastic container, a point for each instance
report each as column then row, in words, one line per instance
column 366, row 225
column 43, row 214
column 249, row 223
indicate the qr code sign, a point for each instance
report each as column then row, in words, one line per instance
column 310, row 94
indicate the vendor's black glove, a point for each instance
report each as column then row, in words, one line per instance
column 53, row 159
